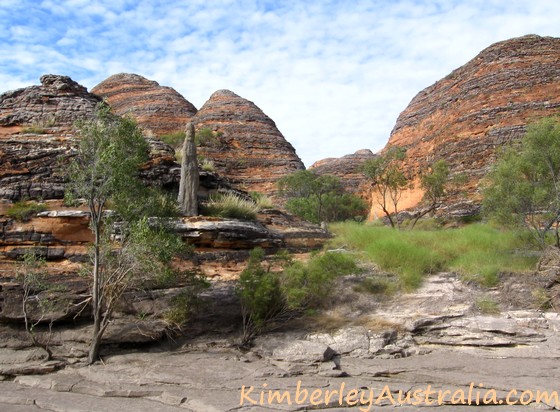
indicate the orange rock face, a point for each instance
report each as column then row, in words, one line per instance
column 487, row 103
column 248, row 149
column 159, row 109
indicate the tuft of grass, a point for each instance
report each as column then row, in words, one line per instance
column 39, row 126
column 486, row 305
column 207, row 165
column 231, row 206
column 262, row 200
column 478, row 252
column 24, row 209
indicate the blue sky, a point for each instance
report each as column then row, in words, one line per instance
column 333, row 75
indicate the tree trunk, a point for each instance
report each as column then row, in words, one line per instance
column 188, row 186
column 97, row 297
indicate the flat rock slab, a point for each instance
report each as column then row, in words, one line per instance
column 215, row 380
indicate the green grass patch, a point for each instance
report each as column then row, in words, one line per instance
column 478, row 252
column 231, row 206
column 24, row 209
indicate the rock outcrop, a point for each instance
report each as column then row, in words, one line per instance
column 36, row 136
column 487, row 103
column 347, row 168
column 59, row 101
column 246, row 146
column 159, row 109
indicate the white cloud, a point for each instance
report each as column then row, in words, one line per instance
column 334, row 76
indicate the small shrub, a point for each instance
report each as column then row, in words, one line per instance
column 208, row 165
column 207, row 138
column 376, row 286
column 174, row 139
column 231, row 206
column 260, row 296
column 186, row 304
column 269, row 298
column 23, row 210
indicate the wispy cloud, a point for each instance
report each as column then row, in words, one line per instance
column 333, row 75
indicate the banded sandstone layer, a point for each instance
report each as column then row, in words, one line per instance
column 248, row 148
column 467, row 116
column 159, row 109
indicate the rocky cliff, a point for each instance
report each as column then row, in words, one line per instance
column 246, row 145
column 347, row 168
column 487, row 103
column 159, row 109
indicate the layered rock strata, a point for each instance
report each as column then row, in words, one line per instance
column 467, row 116
column 245, row 146
column 159, row 109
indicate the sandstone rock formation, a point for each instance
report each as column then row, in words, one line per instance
column 36, row 136
column 347, row 168
column 159, row 109
column 59, row 101
column 466, row 116
column 247, row 147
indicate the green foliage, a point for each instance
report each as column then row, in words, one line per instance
column 434, row 182
column 388, row 180
column 186, row 304
column 133, row 242
column 205, row 137
column 269, row 298
column 306, row 285
column 24, row 209
column 174, row 139
column 31, row 272
column 231, row 206
column 523, row 187
column 478, row 252
column 110, row 152
column 320, row 198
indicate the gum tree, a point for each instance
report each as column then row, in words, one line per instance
column 126, row 243
column 524, row 185
column 388, row 181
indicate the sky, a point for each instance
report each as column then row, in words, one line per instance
column 333, row 74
